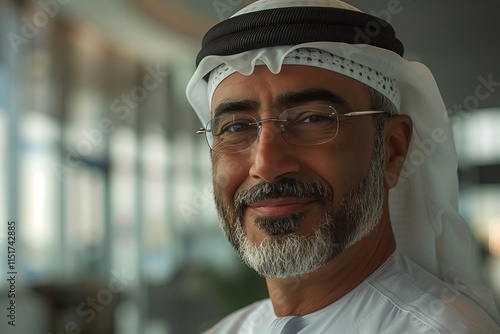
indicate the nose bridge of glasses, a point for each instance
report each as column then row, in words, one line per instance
column 269, row 134
column 281, row 124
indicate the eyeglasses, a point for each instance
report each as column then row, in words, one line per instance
column 304, row 126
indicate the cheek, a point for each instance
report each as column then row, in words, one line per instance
column 343, row 169
column 228, row 174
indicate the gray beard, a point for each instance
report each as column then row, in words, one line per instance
column 284, row 254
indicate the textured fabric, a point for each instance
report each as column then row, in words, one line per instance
column 296, row 25
column 424, row 205
column 400, row 297
column 318, row 58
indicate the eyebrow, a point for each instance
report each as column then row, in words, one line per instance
column 232, row 106
column 312, row 95
column 285, row 100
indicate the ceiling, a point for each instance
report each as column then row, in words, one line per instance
column 458, row 40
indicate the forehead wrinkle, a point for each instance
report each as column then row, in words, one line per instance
column 311, row 95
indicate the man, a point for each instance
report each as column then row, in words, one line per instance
column 333, row 170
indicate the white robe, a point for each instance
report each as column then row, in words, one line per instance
column 399, row 297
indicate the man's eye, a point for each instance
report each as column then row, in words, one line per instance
column 234, row 127
column 311, row 117
column 315, row 118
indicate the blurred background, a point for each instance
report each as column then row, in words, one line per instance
column 110, row 189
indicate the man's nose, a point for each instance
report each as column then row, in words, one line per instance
column 272, row 156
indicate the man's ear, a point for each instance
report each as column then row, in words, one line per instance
column 397, row 136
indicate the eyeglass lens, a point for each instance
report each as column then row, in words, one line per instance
column 304, row 126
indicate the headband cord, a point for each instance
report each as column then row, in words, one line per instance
column 296, row 25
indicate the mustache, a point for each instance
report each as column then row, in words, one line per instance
column 286, row 187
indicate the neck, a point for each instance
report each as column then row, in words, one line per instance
column 308, row 293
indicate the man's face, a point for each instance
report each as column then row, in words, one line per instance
column 289, row 209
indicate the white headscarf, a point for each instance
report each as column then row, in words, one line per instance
column 424, row 205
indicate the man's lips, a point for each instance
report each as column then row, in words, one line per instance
column 280, row 206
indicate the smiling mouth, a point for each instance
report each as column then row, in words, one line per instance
column 280, row 216
column 279, row 207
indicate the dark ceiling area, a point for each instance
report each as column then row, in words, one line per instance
column 458, row 40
